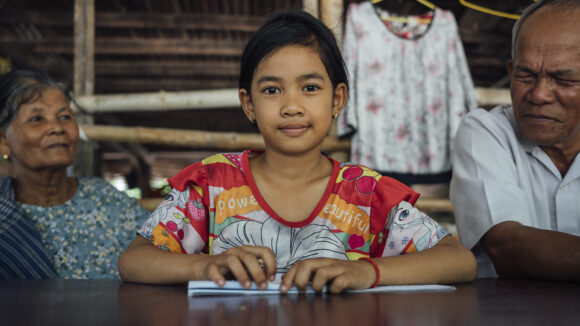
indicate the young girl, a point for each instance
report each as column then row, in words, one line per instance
column 289, row 209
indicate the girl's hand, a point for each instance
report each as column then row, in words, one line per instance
column 338, row 274
column 246, row 263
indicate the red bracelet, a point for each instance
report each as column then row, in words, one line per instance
column 376, row 270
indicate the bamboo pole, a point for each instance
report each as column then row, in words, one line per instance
column 191, row 138
column 492, row 96
column 213, row 99
column 161, row 101
column 84, row 76
column 331, row 15
column 311, row 7
column 434, row 205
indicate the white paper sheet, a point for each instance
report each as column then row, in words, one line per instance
column 208, row 288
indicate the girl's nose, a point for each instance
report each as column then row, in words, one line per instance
column 292, row 104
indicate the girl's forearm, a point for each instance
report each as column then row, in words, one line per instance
column 142, row 262
column 447, row 262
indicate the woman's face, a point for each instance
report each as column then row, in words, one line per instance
column 42, row 135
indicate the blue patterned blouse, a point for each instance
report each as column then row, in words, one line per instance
column 86, row 235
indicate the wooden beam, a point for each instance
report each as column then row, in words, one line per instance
column 112, row 84
column 84, row 76
column 331, row 12
column 469, row 36
column 148, row 68
column 140, row 20
column 312, row 7
column 132, row 46
column 84, row 47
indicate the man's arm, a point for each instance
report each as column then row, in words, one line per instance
column 521, row 251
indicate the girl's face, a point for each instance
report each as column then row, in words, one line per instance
column 43, row 134
column 293, row 100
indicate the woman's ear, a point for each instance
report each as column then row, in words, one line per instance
column 247, row 105
column 339, row 99
column 4, row 148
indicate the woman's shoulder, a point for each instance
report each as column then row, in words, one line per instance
column 97, row 188
column 6, row 188
column 88, row 184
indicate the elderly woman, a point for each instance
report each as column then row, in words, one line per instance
column 83, row 223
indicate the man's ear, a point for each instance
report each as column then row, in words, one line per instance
column 339, row 99
column 247, row 105
column 510, row 66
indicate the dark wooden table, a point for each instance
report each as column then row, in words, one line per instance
column 102, row 302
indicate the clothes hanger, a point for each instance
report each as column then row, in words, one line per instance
column 486, row 10
column 413, row 18
column 426, row 3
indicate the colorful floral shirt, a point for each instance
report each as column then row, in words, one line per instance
column 87, row 234
column 407, row 96
column 215, row 205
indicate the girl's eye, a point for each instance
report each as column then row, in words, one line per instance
column 311, row 88
column 271, row 90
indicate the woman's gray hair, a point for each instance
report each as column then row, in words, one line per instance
column 559, row 5
column 22, row 86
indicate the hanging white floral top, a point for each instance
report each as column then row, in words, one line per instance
column 407, row 94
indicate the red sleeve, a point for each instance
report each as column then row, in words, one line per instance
column 195, row 173
column 388, row 194
column 196, row 208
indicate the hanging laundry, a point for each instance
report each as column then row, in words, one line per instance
column 410, row 86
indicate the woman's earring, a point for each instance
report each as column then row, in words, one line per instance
column 252, row 120
column 334, row 115
column 5, row 157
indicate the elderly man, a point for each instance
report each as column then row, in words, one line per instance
column 516, row 172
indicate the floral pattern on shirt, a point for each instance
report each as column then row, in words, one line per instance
column 87, row 234
column 407, row 96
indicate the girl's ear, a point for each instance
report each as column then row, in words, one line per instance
column 339, row 100
column 247, row 105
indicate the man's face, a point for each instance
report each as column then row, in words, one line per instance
column 545, row 73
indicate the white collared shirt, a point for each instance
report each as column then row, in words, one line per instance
column 498, row 177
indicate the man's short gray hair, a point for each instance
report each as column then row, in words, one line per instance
column 559, row 5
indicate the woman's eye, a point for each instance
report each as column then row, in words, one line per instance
column 271, row 90
column 65, row 117
column 35, row 118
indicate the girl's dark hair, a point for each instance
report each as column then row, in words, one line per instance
column 22, row 86
column 294, row 27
